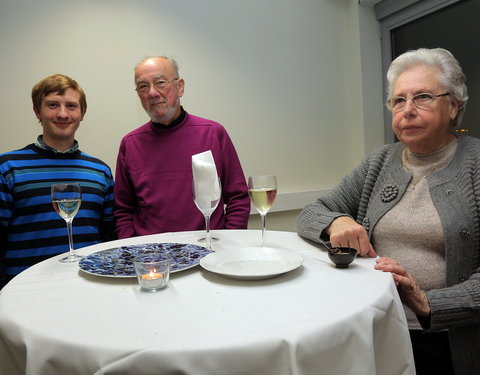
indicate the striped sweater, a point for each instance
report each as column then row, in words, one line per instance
column 31, row 230
column 376, row 185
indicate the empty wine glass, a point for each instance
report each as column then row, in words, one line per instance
column 206, row 195
column 262, row 191
column 66, row 199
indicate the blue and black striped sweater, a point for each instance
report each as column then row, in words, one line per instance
column 31, row 230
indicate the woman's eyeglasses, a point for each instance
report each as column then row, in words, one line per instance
column 423, row 101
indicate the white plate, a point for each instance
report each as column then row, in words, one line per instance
column 254, row 263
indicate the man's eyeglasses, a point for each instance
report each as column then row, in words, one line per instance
column 144, row 88
column 423, row 101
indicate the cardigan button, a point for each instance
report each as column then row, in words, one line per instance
column 448, row 191
column 462, row 279
column 464, row 232
column 366, row 223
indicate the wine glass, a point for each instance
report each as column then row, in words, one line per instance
column 212, row 239
column 262, row 191
column 206, row 195
column 66, row 199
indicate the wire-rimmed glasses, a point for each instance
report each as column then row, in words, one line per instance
column 423, row 100
column 144, row 87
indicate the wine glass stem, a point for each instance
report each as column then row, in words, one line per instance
column 208, row 239
column 70, row 238
column 264, row 228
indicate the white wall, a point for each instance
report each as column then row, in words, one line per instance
column 285, row 77
column 363, row 104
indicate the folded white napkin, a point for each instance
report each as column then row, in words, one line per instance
column 205, row 179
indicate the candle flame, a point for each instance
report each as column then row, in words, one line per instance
column 152, row 274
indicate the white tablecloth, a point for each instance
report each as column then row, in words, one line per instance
column 55, row 319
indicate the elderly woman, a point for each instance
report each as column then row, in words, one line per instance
column 416, row 204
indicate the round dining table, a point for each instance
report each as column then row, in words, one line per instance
column 315, row 319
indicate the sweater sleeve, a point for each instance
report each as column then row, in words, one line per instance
column 124, row 198
column 235, row 191
column 107, row 230
column 343, row 200
column 6, row 211
column 455, row 306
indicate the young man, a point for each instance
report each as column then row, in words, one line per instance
column 153, row 189
column 30, row 229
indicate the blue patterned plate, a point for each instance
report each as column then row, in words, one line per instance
column 118, row 262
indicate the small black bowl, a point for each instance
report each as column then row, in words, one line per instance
column 342, row 256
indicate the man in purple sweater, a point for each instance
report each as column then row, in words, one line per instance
column 153, row 182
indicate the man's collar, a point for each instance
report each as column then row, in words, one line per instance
column 40, row 143
column 174, row 123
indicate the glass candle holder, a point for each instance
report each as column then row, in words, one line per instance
column 153, row 271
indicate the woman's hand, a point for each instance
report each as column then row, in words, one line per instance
column 408, row 289
column 345, row 232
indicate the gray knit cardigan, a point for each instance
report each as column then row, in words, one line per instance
column 376, row 185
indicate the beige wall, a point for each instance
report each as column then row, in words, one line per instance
column 290, row 80
column 285, row 221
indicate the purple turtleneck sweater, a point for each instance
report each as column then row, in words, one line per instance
column 153, row 181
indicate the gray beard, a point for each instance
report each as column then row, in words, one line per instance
column 167, row 117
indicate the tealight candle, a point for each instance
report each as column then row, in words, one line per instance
column 152, row 275
column 153, row 271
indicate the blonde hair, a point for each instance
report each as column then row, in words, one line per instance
column 56, row 83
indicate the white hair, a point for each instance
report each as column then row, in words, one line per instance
column 451, row 74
